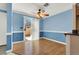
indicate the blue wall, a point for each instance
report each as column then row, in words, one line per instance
column 60, row 22
column 18, row 21
column 9, row 27
column 14, row 23
column 9, row 17
column 9, row 42
column 53, row 35
column 17, row 37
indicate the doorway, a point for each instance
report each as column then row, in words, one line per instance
column 27, row 28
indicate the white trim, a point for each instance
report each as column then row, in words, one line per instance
column 68, row 45
column 8, row 33
column 8, row 51
column 24, row 28
column 54, row 31
column 18, row 42
column 12, row 44
column 17, row 31
column 12, row 33
column 54, row 40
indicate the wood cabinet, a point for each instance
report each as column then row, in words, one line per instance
column 77, row 18
column 77, row 9
column 74, row 36
column 74, row 45
column 77, row 24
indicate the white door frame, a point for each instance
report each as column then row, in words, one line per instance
column 25, row 17
column 35, row 28
column 24, row 28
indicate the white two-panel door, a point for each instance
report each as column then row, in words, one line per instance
column 3, row 28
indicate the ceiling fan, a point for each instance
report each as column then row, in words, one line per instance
column 41, row 12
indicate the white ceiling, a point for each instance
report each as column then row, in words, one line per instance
column 32, row 8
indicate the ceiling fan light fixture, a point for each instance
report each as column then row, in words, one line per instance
column 42, row 14
column 38, row 16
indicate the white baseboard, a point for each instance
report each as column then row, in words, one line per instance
column 8, row 33
column 17, row 31
column 54, row 40
column 8, row 51
column 44, row 38
column 4, row 44
column 54, row 31
column 18, row 42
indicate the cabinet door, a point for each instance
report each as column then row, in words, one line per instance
column 77, row 17
column 77, row 9
column 77, row 23
column 74, row 45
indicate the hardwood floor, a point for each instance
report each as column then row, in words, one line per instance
column 39, row 47
column 3, row 50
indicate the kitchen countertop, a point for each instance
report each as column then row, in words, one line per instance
column 71, row 34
